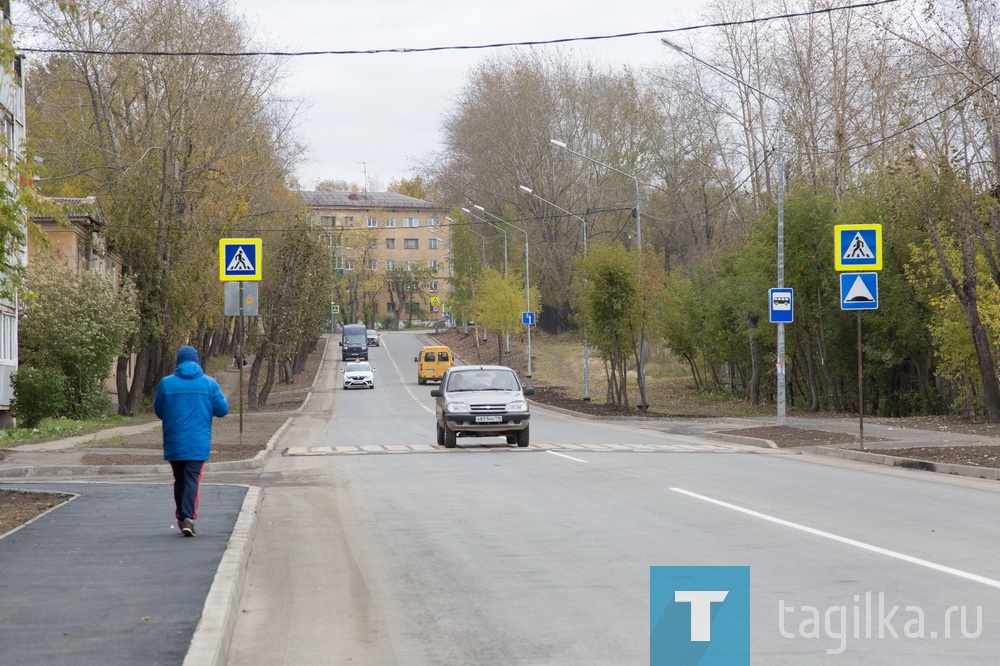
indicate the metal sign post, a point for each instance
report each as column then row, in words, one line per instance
column 239, row 358
column 861, row 390
column 239, row 260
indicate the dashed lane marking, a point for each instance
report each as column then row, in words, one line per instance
column 484, row 448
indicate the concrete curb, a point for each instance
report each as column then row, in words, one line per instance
column 990, row 473
column 212, row 636
column 99, row 470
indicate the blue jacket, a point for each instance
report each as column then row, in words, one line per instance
column 186, row 401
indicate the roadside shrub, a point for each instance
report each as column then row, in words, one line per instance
column 38, row 394
column 91, row 402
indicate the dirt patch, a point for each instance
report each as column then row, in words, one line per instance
column 18, row 507
column 976, row 456
column 787, row 437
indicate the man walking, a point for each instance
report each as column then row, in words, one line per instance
column 186, row 401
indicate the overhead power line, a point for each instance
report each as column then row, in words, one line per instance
column 464, row 47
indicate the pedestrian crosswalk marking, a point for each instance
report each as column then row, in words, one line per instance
column 486, row 448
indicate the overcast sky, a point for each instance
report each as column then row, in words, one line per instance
column 385, row 110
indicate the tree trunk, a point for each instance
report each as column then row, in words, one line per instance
column 265, row 390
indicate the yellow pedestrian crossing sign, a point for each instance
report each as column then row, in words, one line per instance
column 239, row 259
column 857, row 247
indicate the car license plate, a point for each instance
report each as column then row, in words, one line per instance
column 489, row 419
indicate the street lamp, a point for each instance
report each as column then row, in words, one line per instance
column 780, row 365
column 502, row 230
column 643, row 403
column 586, row 349
column 527, row 275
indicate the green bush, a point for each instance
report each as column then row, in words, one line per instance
column 38, row 394
column 92, row 402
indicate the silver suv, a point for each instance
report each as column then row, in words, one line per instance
column 481, row 401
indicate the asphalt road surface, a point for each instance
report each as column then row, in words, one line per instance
column 376, row 547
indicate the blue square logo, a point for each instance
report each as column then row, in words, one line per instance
column 699, row 616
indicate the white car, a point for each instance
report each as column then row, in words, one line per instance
column 374, row 339
column 358, row 374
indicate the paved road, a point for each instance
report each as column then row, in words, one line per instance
column 492, row 555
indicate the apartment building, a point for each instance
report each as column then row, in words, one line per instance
column 372, row 232
column 11, row 143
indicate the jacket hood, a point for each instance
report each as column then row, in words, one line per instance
column 189, row 370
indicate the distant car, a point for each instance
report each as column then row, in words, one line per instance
column 374, row 339
column 358, row 374
column 481, row 401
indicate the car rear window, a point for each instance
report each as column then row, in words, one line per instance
column 442, row 356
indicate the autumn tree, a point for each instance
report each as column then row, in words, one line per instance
column 180, row 149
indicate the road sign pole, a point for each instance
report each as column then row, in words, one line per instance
column 239, row 359
column 861, row 391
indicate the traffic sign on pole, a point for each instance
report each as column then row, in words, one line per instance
column 782, row 305
column 859, row 291
column 239, row 259
column 528, row 318
column 857, row 247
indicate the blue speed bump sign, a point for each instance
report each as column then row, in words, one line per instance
column 781, row 305
column 239, row 259
column 528, row 318
column 857, row 247
column 859, row 291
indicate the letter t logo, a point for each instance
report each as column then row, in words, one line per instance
column 701, row 610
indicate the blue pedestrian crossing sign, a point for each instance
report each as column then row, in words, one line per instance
column 857, row 247
column 528, row 318
column 239, row 259
column 859, row 291
column 781, row 305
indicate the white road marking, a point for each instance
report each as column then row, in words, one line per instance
column 976, row 578
column 563, row 455
column 540, row 446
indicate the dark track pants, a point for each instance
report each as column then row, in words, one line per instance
column 187, row 487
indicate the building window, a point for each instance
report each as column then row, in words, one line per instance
column 390, row 243
column 348, row 221
column 328, row 221
column 432, row 243
column 373, row 264
column 411, row 222
column 372, row 243
column 348, row 264
column 433, row 286
column 410, row 263
column 389, row 264
column 432, row 264
column 432, row 221
column 372, row 222
column 411, row 244
column 390, row 223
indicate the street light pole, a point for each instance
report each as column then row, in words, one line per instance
column 780, row 361
column 481, row 237
column 502, row 230
column 643, row 403
column 586, row 349
column 527, row 275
